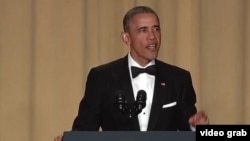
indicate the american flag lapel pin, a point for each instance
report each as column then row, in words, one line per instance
column 163, row 84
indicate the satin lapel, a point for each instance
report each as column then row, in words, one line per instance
column 160, row 90
column 125, row 82
column 126, row 87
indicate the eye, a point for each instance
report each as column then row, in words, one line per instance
column 157, row 28
column 142, row 29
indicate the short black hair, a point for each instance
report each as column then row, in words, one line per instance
column 136, row 10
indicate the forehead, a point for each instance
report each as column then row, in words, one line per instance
column 144, row 18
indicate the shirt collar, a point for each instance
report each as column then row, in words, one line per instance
column 132, row 62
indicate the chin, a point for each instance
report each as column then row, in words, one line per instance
column 152, row 58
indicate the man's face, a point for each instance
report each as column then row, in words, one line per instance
column 144, row 38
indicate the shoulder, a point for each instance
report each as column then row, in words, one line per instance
column 172, row 72
column 113, row 65
column 109, row 71
column 163, row 66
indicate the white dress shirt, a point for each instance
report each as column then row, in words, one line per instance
column 144, row 82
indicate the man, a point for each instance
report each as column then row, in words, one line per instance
column 111, row 96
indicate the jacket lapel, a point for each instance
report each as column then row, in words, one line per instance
column 160, row 90
column 126, row 87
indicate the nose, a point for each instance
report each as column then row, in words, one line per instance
column 151, row 35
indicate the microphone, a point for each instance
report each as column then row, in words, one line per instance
column 140, row 102
column 130, row 109
column 121, row 102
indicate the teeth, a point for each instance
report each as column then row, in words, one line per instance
column 153, row 45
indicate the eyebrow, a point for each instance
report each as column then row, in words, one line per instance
column 144, row 27
column 157, row 26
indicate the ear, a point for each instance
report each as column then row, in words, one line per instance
column 125, row 38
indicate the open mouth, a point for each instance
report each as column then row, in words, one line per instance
column 152, row 46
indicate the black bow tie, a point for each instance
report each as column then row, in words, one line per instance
column 136, row 71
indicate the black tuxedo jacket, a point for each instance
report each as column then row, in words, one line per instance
column 98, row 108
